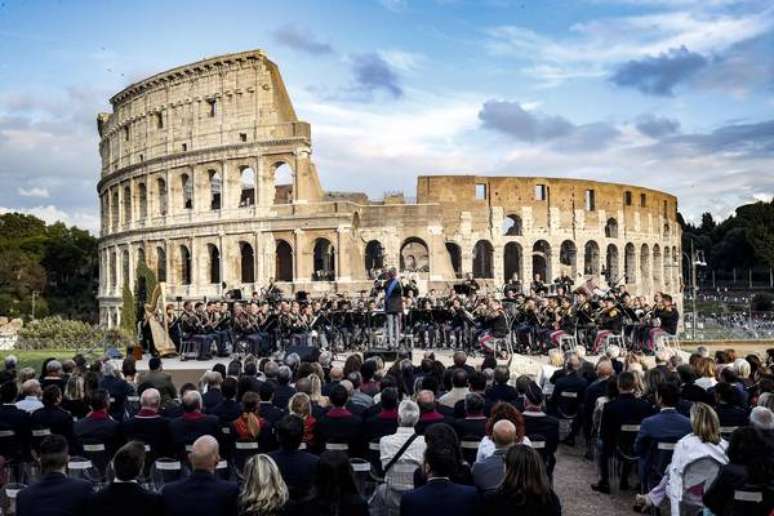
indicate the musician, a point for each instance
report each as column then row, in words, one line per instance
column 494, row 326
column 537, row 286
column 173, row 326
column 513, row 286
column 472, row 284
column 564, row 322
column 609, row 321
column 565, row 281
column 393, row 306
column 666, row 316
column 209, row 316
column 194, row 330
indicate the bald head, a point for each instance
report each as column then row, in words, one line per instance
column 205, row 453
column 504, row 433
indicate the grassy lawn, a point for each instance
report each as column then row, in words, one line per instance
column 35, row 359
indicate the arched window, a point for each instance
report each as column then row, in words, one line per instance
column 591, row 258
column 127, row 205
column 630, row 265
column 142, row 194
column 283, row 267
column 374, row 257
column 483, row 254
column 568, row 258
column 247, row 197
column 512, row 260
column 666, row 230
column 541, row 260
column 414, row 255
column 161, row 193
column 184, row 271
column 657, row 266
column 214, row 254
column 511, row 226
column 611, row 261
column 324, row 261
column 114, row 210
column 247, row 262
column 611, row 228
column 186, row 186
column 161, row 264
column 455, row 257
column 283, row 183
column 216, row 187
column 644, row 263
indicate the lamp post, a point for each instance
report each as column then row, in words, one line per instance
column 694, row 260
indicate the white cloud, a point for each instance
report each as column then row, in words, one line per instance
column 403, row 60
column 33, row 192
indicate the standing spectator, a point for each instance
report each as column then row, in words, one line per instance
column 54, row 494
column 158, row 379
column 525, row 489
column 31, row 401
column 264, row 493
column 335, row 492
column 124, row 495
column 202, row 493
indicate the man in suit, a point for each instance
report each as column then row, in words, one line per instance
column 14, row 447
column 54, row 494
column 539, row 425
column 500, row 390
column 283, row 390
column 269, row 412
column 668, row 426
column 489, row 473
column 98, row 428
column 229, row 408
column 297, row 467
column 386, row 421
column 124, row 496
column 473, row 425
column 393, row 306
column 118, row 389
column 626, row 409
column 192, row 424
column 458, row 391
column 440, row 495
column 339, row 425
column 429, row 414
column 476, row 384
column 54, row 418
column 159, row 380
column 201, row 494
column 567, row 397
column 148, row 427
column 594, row 391
column 460, row 358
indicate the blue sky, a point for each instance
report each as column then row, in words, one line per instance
column 671, row 94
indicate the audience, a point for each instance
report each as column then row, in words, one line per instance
column 335, row 492
column 488, row 474
column 264, row 493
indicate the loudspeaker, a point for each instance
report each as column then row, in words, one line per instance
column 306, row 353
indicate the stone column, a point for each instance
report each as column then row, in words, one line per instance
column 131, row 266
column 223, row 257
column 119, row 270
column 555, row 261
column 298, row 235
column 224, row 188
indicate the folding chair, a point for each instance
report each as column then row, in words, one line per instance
column 9, row 493
column 568, row 408
column 362, row 471
column 164, row 471
column 243, row 452
column 753, row 499
column 567, row 343
column 341, row 447
column 97, row 453
column 83, row 469
column 697, row 477
column 726, row 431
column 469, row 447
column 624, row 450
column 374, row 457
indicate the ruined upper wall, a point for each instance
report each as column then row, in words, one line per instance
column 226, row 100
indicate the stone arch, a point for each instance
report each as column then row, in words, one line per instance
column 142, row 195
column 630, row 264
column 455, row 257
column 374, row 257
column 657, row 265
column 247, row 188
column 161, row 264
column 414, row 255
column 644, row 264
column 568, row 258
column 141, row 256
column 666, row 231
column 214, row 263
column 161, row 195
column 283, row 176
column 483, row 258
column 611, row 228
column 216, row 189
column 283, row 261
column 186, row 189
column 113, row 269
column 184, row 267
column 324, row 260
column 127, row 205
column 667, row 264
column 541, row 260
column 512, row 260
column 512, row 226
column 611, row 264
column 246, row 262
column 591, row 258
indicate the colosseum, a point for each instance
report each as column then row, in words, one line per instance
column 207, row 176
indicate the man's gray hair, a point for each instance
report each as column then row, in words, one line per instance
column 271, row 369
column 292, row 360
column 285, row 374
column 11, row 361
column 703, row 351
column 408, row 413
column 742, row 367
column 150, row 398
column 762, row 418
column 325, row 358
column 108, row 369
column 54, row 366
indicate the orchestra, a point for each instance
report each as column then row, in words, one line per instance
column 465, row 318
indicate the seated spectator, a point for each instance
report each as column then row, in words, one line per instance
column 269, row 411
column 704, row 441
column 212, row 396
column 400, row 454
column 489, row 473
column 249, row 380
column 728, row 376
column 300, row 405
column 728, row 406
column 54, row 418
column 264, row 493
column 386, row 421
column 358, row 397
column 440, row 495
column 335, row 376
column 148, row 427
column 192, row 424
column 706, row 372
column 54, row 494
column 229, row 408
column 124, row 495
column 339, row 425
column 117, row 388
column 540, row 425
column 444, row 436
column 458, row 391
column 174, row 407
column 569, row 381
column 501, row 391
column 473, row 425
column 298, row 467
column 555, row 363
column 98, row 427
column 370, row 385
column 501, row 411
column 283, row 390
column 202, row 493
column 54, row 375
column 476, row 384
column 429, row 414
column 525, row 488
column 320, row 403
column 762, row 419
column 31, row 393
column 335, row 492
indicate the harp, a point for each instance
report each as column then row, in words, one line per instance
column 160, row 334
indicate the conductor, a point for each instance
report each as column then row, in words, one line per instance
column 393, row 307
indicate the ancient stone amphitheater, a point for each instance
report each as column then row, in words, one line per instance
column 207, row 176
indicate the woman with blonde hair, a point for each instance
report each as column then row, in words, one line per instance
column 706, row 372
column 555, row 362
column 264, row 493
column 315, row 394
column 301, row 405
column 703, row 442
